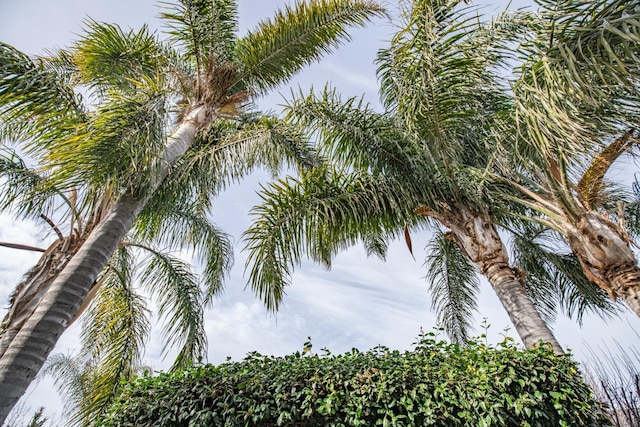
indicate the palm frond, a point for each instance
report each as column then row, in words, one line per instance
column 36, row 104
column 280, row 47
column 453, row 284
column 108, row 58
column 24, row 191
column 176, row 288
column 578, row 82
column 203, row 28
column 318, row 215
column 231, row 151
column 352, row 134
column 69, row 375
column 115, row 329
column 185, row 226
column 427, row 75
column 120, row 146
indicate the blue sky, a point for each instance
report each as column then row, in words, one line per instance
column 359, row 303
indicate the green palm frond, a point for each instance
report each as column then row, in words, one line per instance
column 231, row 151
column 204, row 28
column 35, row 103
column 25, row 191
column 554, row 278
column 578, row 81
column 280, row 47
column 318, row 215
column 108, row 58
column 121, row 144
column 352, row 134
column 376, row 244
column 69, row 376
column 77, row 379
column 453, row 284
column 440, row 77
column 175, row 286
column 428, row 76
column 186, row 226
column 115, row 328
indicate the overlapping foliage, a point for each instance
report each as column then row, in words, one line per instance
column 437, row 384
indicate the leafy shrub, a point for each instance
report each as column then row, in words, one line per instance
column 436, row 384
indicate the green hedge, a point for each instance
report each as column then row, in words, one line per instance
column 437, row 384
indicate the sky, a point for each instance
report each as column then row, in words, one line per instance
column 360, row 302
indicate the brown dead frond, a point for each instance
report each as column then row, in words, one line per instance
column 591, row 184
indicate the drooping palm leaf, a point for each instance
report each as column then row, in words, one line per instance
column 317, row 216
column 35, row 103
column 114, row 331
column 453, row 284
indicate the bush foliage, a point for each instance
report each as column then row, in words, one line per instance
column 436, row 384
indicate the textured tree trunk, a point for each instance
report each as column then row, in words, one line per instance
column 30, row 347
column 479, row 238
column 606, row 257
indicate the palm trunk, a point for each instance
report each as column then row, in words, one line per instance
column 30, row 347
column 35, row 285
column 606, row 257
column 479, row 239
column 523, row 313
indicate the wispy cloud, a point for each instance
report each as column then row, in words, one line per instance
column 366, row 81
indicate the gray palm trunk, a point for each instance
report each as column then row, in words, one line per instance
column 30, row 346
column 607, row 259
column 478, row 237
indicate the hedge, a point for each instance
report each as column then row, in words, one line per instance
column 436, row 384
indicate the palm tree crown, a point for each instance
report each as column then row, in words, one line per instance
column 429, row 160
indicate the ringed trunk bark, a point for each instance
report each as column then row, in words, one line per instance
column 625, row 281
column 478, row 237
column 28, row 350
column 523, row 313
column 606, row 257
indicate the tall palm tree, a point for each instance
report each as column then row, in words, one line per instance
column 577, row 98
column 419, row 164
column 117, row 326
column 161, row 126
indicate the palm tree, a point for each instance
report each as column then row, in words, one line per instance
column 161, row 126
column 117, row 326
column 421, row 163
column 576, row 112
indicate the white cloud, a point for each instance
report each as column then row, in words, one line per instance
column 364, row 82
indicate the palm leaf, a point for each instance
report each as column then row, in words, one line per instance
column 115, row 329
column 128, row 129
column 318, row 215
column 108, row 58
column 352, row 134
column 453, row 284
column 37, row 104
column 280, row 47
column 203, row 28
column 231, row 151
column 176, row 288
column 187, row 227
